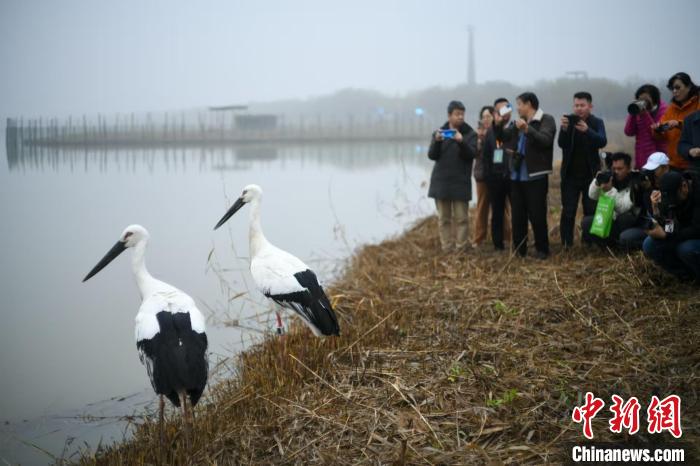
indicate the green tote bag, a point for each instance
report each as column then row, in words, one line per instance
column 603, row 218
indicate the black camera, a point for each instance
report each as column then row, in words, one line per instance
column 603, row 177
column 668, row 204
column 646, row 177
column 649, row 223
column 637, row 107
column 573, row 119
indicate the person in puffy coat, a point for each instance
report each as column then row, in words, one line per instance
column 453, row 148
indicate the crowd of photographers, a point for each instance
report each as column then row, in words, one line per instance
column 652, row 198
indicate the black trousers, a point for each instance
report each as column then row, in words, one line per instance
column 621, row 224
column 499, row 191
column 529, row 203
column 573, row 189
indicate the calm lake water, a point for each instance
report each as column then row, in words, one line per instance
column 68, row 359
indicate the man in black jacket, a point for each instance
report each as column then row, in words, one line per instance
column 581, row 136
column 531, row 165
column 453, row 148
column 689, row 144
column 674, row 237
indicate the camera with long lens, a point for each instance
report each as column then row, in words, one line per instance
column 666, row 208
column 646, row 178
column 668, row 204
column 640, row 189
column 637, row 107
column 603, row 177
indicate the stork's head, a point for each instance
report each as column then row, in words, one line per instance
column 130, row 237
column 250, row 193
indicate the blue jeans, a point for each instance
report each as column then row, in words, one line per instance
column 681, row 259
column 632, row 239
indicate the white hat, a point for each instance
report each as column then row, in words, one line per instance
column 655, row 160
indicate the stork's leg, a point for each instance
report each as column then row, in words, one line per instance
column 185, row 421
column 280, row 325
column 161, row 419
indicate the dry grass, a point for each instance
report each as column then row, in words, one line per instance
column 476, row 359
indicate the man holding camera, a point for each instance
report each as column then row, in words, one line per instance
column 618, row 184
column 531, row 165
column 674, row 231
column 658, row 164
column 453, row 148
column 581, row 136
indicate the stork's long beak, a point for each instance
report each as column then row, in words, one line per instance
column 234, row 208
column 117, row 249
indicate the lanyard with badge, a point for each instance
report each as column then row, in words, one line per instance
column 498, row 153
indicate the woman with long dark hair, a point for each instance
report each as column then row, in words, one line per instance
column 685, row 101
column 481, row 223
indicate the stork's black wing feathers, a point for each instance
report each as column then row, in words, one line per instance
column 176, row 357
column 311, row 304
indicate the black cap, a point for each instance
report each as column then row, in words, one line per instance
column 669, row 184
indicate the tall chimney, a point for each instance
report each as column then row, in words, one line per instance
column 471, row 66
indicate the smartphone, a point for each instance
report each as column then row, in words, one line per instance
column 448, row 133
column 505, row 110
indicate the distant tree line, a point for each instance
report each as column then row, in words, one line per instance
column 610, row 99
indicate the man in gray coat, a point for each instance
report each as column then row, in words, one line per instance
column 453, row 148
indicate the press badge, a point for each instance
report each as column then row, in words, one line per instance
column 498, row 156
column 669, row 227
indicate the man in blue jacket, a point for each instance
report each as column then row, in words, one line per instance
column 581, row 136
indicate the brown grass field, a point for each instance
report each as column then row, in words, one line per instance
column 470, row 359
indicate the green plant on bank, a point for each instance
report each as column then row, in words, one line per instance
column 503, row 308
column 508, row 396
column 564, row 395
column 455, row 372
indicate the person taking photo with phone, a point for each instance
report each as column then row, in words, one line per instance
column 453, row 148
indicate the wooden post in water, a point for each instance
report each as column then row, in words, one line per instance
column 183, row 127
column 20, row 135
column 85, row 129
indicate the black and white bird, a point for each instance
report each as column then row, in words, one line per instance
column 282, row 277
column 170, row 331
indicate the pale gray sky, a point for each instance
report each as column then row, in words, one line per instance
column 75, row 56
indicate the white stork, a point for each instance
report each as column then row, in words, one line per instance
column 282, row 277
column 170, row 334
